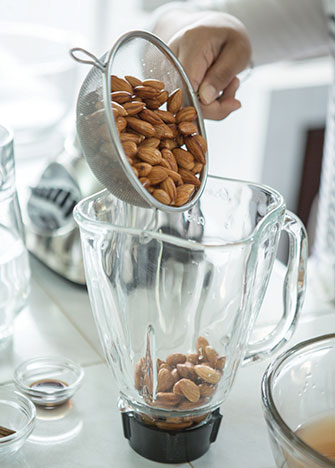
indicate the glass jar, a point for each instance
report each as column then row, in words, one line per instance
column 14, row 263
column 175, row 299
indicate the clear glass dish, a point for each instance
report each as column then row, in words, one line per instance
column 298, row 392
column 17, row 417
column 48, row 381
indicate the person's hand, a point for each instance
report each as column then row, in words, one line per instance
column 213, row 50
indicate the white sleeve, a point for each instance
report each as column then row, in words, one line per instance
column 278, row 29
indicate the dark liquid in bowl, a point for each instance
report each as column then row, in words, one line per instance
column 48, row 385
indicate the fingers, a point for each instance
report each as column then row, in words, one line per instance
column 232, row 59
column 194, row 54
column 225, row 105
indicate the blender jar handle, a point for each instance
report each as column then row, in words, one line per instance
column 294, row 286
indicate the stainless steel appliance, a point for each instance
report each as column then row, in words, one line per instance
column 51, row 233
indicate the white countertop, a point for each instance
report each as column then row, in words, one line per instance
column 87, row 432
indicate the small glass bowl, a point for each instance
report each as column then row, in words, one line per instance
column 48, row 381
column 18, row 414
column 298, row 393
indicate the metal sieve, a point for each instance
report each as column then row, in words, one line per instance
column 145, row 56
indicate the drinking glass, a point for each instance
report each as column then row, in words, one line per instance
column 298, row 391
column 14, row 264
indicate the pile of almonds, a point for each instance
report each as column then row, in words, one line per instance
column 184, row 381
column 160, row 138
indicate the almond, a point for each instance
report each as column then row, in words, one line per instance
column 184, row 159
column 150, row 116
column 169, row 157
column 152, row 103
column 180, row 139
column 133, row 168
column 133, row 81
column 175, row 358
column 150, row 155
column 162, row 97
column 175, row 374
column 175, row 176
column 156, row 176
column 200, row 346
column 188, row 389
column 169, row 144
column 152, row 142
column 186, row 114
column 174, row 101
column 197, row 147
column 168, row 398
column 130, row 148
column 198, row 167
column 166, row 116
column 192, row 358
column 207, row 390
column 164, row 365
column 187, row 128
column 163, row 131
column 184, row 192
column 145, row 182
column 207, row 373
column 125, row 136
column 165, row 381
column 147, row 383
column 139, row 374
column 130, row 130
column 170, row 188
column 221, row 362
column 146, row 92
column 187, row 405
column 161, row 196
column 134, row 107
column 121, row 123
column 145, row 128
column 143, row 169
column 159, row 85
column 118, row 84
column 120, row 109
column 186, row 370
column 174, row 129
column 211, row 356
column 165, row 164
column 121, row 96
column 188, row 177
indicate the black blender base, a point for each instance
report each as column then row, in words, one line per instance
column 170, row 446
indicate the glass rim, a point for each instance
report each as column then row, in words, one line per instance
column 83, row 220
column 271, row 409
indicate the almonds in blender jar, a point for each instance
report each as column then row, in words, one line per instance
column 184, row 381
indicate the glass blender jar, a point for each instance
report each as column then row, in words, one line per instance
column 175, row 298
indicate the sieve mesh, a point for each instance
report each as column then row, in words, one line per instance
column 143, row 55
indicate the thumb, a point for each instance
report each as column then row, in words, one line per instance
column 227, row 65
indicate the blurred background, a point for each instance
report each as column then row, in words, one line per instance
column 276, row 137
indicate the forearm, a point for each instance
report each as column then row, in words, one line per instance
column 278, row 29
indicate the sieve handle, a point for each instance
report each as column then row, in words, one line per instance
column 95, row 61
